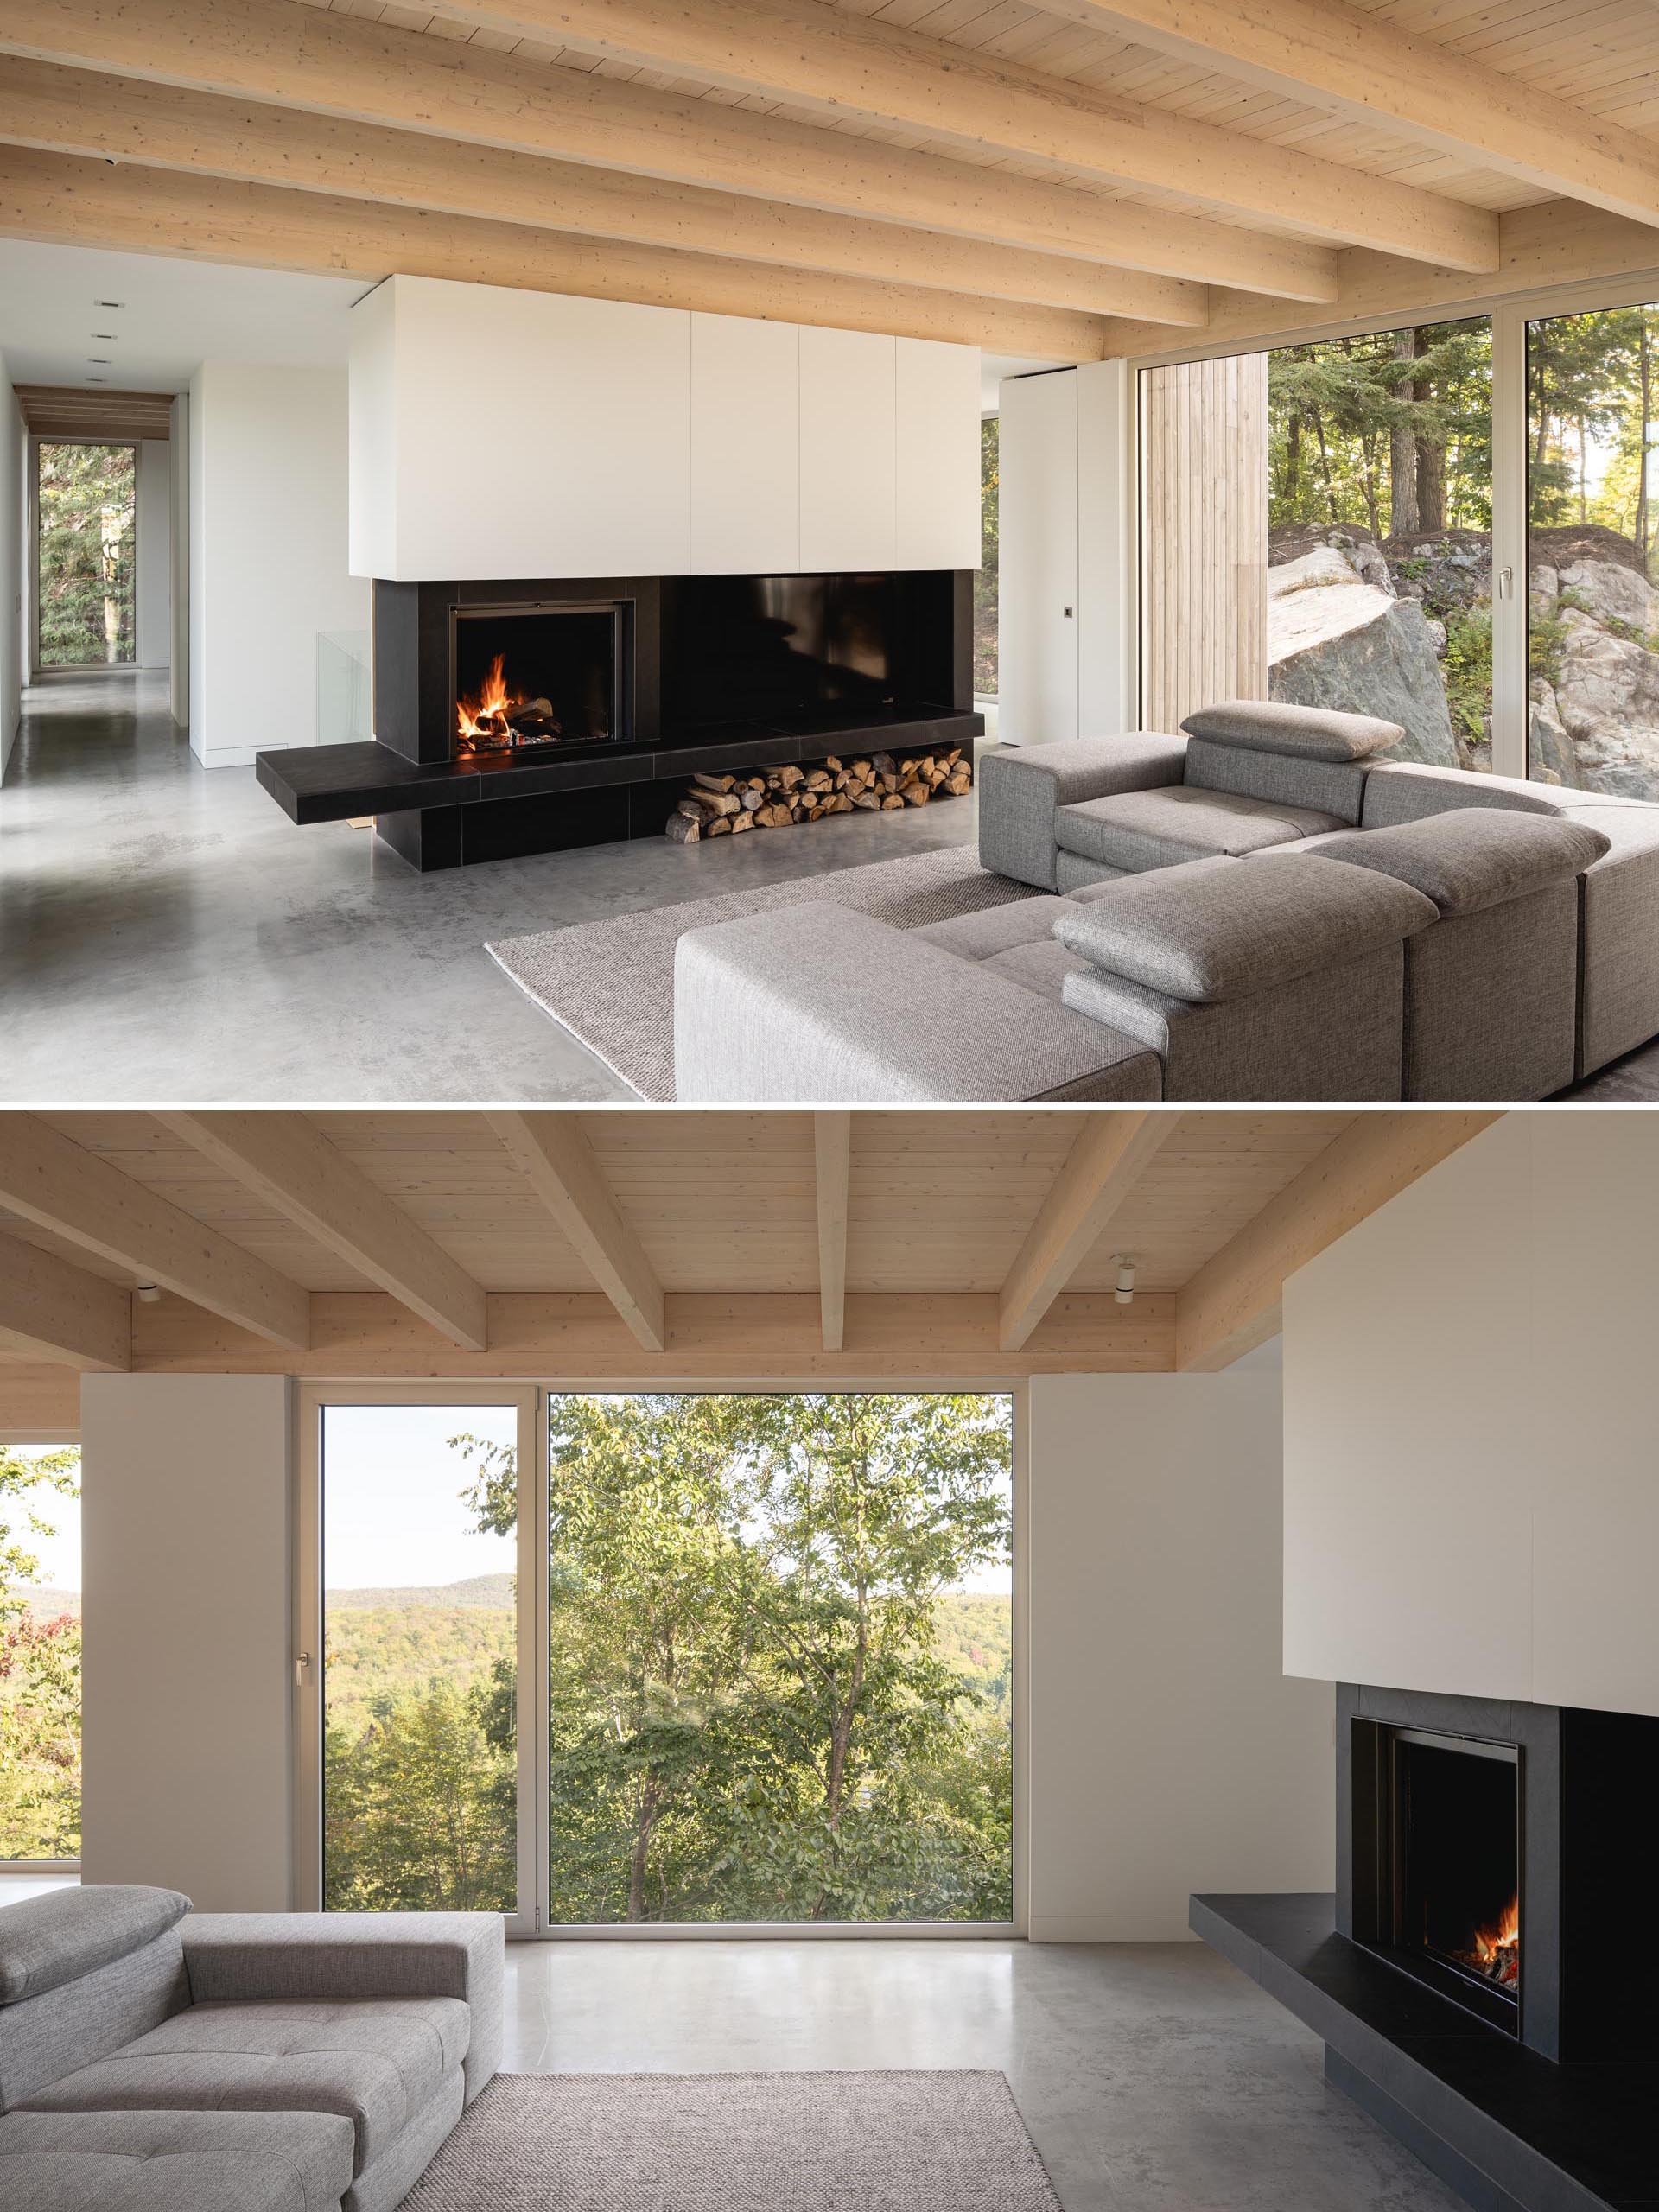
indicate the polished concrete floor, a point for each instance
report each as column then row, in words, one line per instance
column 1152, row 2077
column 167, row 934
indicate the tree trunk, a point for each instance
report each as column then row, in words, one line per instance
column 1402, row 449
column 1431, row 459
column 1646, row 386
column 1292, row 458
column 644, row 1821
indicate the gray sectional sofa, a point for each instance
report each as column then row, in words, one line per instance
column 1258, row 908
column 157, row 2060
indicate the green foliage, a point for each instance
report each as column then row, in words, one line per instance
column 985, row 579
column 769, row 1700
column 40, row 1671
column 1392, row 430
column 87, row 540
column 1466, row 670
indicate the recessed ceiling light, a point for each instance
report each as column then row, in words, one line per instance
column 97, row 361
column 106, row 336
column 98, row 380
column 109, row 303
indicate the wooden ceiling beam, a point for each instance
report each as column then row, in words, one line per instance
column 552, row 1150
column 39, row 1401
column 840, row 63
column 54, row 1311
column 47, row 1178
column 69, row 412
column 292, row 1167
column 162, row 126
column 749, row 1340
column 65, row 198
column 832, row 1148
column 1355, row 63
column 1233, row 1303
column 1106, row 1161
column 305, row 59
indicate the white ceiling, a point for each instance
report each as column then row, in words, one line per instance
column 175, row 315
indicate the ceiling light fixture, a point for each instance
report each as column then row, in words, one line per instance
column 150, row 1294
column 97, row 361
column 107, row 336
column 109, row 303
column 1123, row 1289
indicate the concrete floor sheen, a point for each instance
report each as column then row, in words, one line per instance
column 167, row 935
column 1153, row 2077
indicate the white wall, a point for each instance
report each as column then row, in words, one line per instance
column 153, row 524
column 1169, row 1753
column 268, row 469
column 14, row 528
column 1066, row 470
column 178, row 448
column 497, row 432
column 1471, row 1498
column 187, row 1697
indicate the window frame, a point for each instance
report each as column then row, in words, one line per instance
column 40, row 669
column 51, row 1439
column 1510, row 314
column 532, row 1921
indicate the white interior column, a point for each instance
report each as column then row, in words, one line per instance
column 187, row 1690
column 1168, row 1752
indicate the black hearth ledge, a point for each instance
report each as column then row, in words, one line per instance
column 1509, row 2131
column 332, row 783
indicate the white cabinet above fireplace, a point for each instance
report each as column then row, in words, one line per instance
column 505, row 434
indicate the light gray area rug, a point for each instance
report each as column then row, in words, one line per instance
column 611, row 984
column 909, row 2142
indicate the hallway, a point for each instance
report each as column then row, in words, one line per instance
column 166, row 932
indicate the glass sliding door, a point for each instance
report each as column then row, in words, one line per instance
column 39, row 1654
column 86, row 547
column 1592, row 512
column 417, row 1673
column 779, row 1666
column 1380, row 533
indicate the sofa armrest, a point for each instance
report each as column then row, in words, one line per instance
column 237, row 1958
column 1022, row 786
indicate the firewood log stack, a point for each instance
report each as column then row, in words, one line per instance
column 776, row 799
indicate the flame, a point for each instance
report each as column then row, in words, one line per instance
column 1506, row 1936
column 486, row 717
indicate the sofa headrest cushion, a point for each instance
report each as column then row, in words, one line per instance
column 1274, row 726
column 1211, row 930
column 46, row 1941
column 1473, row 857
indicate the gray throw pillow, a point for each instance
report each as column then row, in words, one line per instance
column 1473, row 857
column 1274, row 726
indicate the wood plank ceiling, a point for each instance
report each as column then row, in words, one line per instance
column 1058, row 181
column 689, row 1246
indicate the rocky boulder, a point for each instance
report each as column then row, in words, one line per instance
column 1606, row 697
column 1610, row 593
column 1336, row 639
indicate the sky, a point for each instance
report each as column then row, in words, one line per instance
column 392, row 1514
column 59, row 1554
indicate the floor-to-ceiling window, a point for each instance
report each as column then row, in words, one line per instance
column 767, row 1641
column 418, row 1665
column 1593, row 513
column 1316, row 527
column 85, row 554
column 39, row 1653
column 985, row 579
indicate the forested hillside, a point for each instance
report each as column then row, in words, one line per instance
column 770, row 1700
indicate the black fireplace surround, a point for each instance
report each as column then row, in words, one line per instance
column 1479, row 1977
column 513, row 717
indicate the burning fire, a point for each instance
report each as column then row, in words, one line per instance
column 1496, row 1954
column 499, row 717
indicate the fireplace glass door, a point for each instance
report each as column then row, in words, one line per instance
column 1457, row 1864
column 538, row 676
